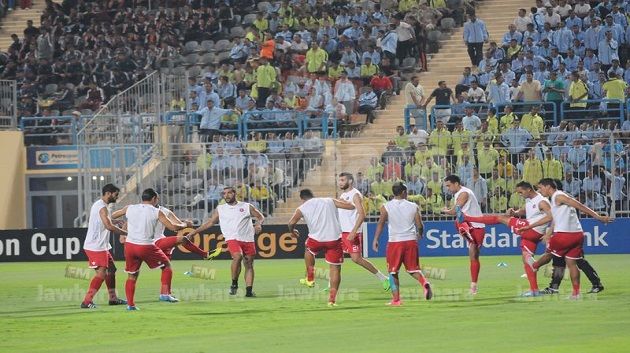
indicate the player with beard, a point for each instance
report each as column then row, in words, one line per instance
column 351, row 222
column 235, row 219
column 97, row 245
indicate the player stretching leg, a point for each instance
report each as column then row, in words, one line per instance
column 97, row 245
column 351, row 222
column 473, row 232
column 568, row 235
column 322, row 221
column 235, row 220
column 404, row 224
column 168, row 244
column 536, row 207
column 142, row 221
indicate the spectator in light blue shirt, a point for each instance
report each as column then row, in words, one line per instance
column 211, row 119
column 571, row 185
column 475, row 34
column 516, row 139
column 389, row 42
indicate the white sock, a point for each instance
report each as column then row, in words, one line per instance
column 380, row 276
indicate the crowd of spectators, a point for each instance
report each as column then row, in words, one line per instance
column 302, row 54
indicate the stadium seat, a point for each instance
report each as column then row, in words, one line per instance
column 249, row 19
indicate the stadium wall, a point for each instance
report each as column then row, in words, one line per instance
column 275, row 242
column 12, row 180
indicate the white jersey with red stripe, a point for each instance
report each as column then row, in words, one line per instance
column 160, row 228
column 142, row 221
column 348, row 218
column 322, row 219
column 97, row 236
column 401, row 220
column 471, row 207
column 236, row 221
column 533, row 213
column 565, row 218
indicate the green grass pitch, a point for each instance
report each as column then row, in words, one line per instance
column 40, row 311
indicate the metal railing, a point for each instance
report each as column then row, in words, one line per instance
column 614, row 109
column 8, row 104
column 595, row 170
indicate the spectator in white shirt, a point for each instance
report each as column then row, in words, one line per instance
column 414, row 97
column 475, row 93
column 522, row 20
column 345, row 92
column 470, row 121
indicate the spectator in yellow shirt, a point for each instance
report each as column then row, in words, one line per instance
column 423, row 152
column 412, row 168
column 487, row 158
column 458, row 136
column 435, row 203
column 418, row 200
column 497, row 183
column 435, row 184
column 505, row 123
column 261, row 194
column 533, row 122
column 429, row 168
column 552, row 168
column 493, row 122
column 532, row 170
column 375, row 168
column 257, row 144
column 615, row 88
column 516, row 201
column 440, row 139
column 578, row 92
column 316, row 59
column 498, row 202
column 505, row 168
column 261, row 23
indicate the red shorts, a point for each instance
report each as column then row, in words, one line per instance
column 352, row 247
column 99, row 258
column 247, row 248
column 167, row 245
column 333, row 250
column 529, row 238
column 477, row 234
column 567, row 245
column 403, row 252
column 135, row 254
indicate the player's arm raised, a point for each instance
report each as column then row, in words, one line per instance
column 379, row 227
column 107, row 222
column 569, row 201
column 461, row 201
column 358, row 205
column 214, row 218
column 119, row 213
column 259, row 216
column 174, row 219
column 293, row 221
column 343, row 204
column 545, row 207
column 419, row 224
column 170, row 225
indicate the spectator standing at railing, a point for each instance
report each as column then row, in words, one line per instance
column 498, row 91
column 479, row 187
column 592, row 183
column 487, row 158
column 614, row 88
column 470, row 121
column 530, row 90
column 414, row 98
column 362, row 184
column 498, row 201
column 578, row 94
column 443, row 97
column 571, row 185
column 465, row 168
column 533, row 122
column 554, row 91
column 475, row 34
column 552, row 168
column 618, row 183
column 211, row 119
column 435, row 202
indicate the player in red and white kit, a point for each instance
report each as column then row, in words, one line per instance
column 473, row 232
column 97, row 245
column 142, row 221
column 568, row 237
column 404, row 224
column 536, row 208
column 235, row 219
column 320, row 214
column 351, row 222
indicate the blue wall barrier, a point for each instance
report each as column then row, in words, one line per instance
column 441, row 239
